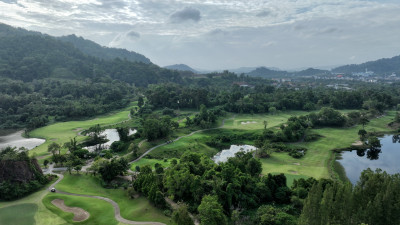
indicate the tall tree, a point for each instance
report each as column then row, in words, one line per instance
column 211, row 212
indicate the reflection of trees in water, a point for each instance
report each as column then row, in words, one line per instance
column 396, row 138
column 372, row 153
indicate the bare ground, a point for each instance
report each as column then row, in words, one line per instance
column 79, row 214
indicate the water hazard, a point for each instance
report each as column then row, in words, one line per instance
column 386, row 158
column 15, row 139
column 228, row 153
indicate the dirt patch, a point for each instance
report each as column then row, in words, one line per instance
column 297, row 164
column 247, row 122
column 79, row 214
column 78, row 129
column 293, row 172
column 54, row 139
column 358, row 143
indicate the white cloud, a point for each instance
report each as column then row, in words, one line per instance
column 224, row 34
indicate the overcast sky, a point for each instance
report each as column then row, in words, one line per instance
column 223, row 34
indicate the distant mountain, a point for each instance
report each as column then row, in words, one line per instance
column 267, row 73
column 181, row 67
column 385, row 65
column 312, row 72
column 93, row 49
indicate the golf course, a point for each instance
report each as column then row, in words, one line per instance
column 38, row 207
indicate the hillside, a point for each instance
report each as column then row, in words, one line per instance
column 43, row 78
column 383, row 66
column 181, row 67
column 93, row 49
column 267, row 73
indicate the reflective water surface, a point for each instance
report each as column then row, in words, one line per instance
column 387, row 158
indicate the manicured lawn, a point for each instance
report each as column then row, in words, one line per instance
column 194, row 143
column 41, row 214
column 151, row 162
column 256, row 121
column 63, row 131
column 139, row 209
column 22, row 214
column 316, row 162
column 101, row 212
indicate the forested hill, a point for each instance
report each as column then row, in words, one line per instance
column 267, row 73
column 386, row 65
column 93, row 49
column 27, row 56
column 43, row 78
column 181, row 67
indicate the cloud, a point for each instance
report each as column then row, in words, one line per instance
column 264, row 13
column 133, row 34
column 185, row 14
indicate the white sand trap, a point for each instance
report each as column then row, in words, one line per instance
column 248, row 122
column 358, row 143
column 79, row 214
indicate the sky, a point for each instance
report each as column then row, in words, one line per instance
column 224, row 34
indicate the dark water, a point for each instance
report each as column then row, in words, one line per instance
column 387, row 158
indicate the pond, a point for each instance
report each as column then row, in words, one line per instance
column 112, row 136
column 15, row 139
column 223, row 155
column 386, row 158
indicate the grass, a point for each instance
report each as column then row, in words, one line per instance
column 316, row 163
column 194, row 143
column 21, row 214
column 101, row 212
column 257, row 120
column 151, row 162
column 42, row 215
column 139, row 209
column 62, row 132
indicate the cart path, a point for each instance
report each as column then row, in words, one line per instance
column 117, row 211
column 178, row 138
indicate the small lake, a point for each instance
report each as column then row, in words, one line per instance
column 112, row 136
column 223, row 155
column 15, row 139
column 387, row 159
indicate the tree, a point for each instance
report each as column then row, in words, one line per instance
column 362, row 133
column 397, row 117
column 265, row 124
column 140, row 101
column 123, row 133
column 45, row 163
column 181, row 215
column 54, row 148
column 211, row 212
column 364, row 120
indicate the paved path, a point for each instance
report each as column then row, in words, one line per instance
column 117, row 211
column 177, row 139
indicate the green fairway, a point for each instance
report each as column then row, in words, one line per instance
column 139, row 209
column 41, row 214
column 22, row 214
column 63, row 131
column 101, row 212
column 256, row 121
column 151, row 162
column 316, row 163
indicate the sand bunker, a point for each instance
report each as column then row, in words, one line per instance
column 247, row 122
column 358, row 143
column 79, row 214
